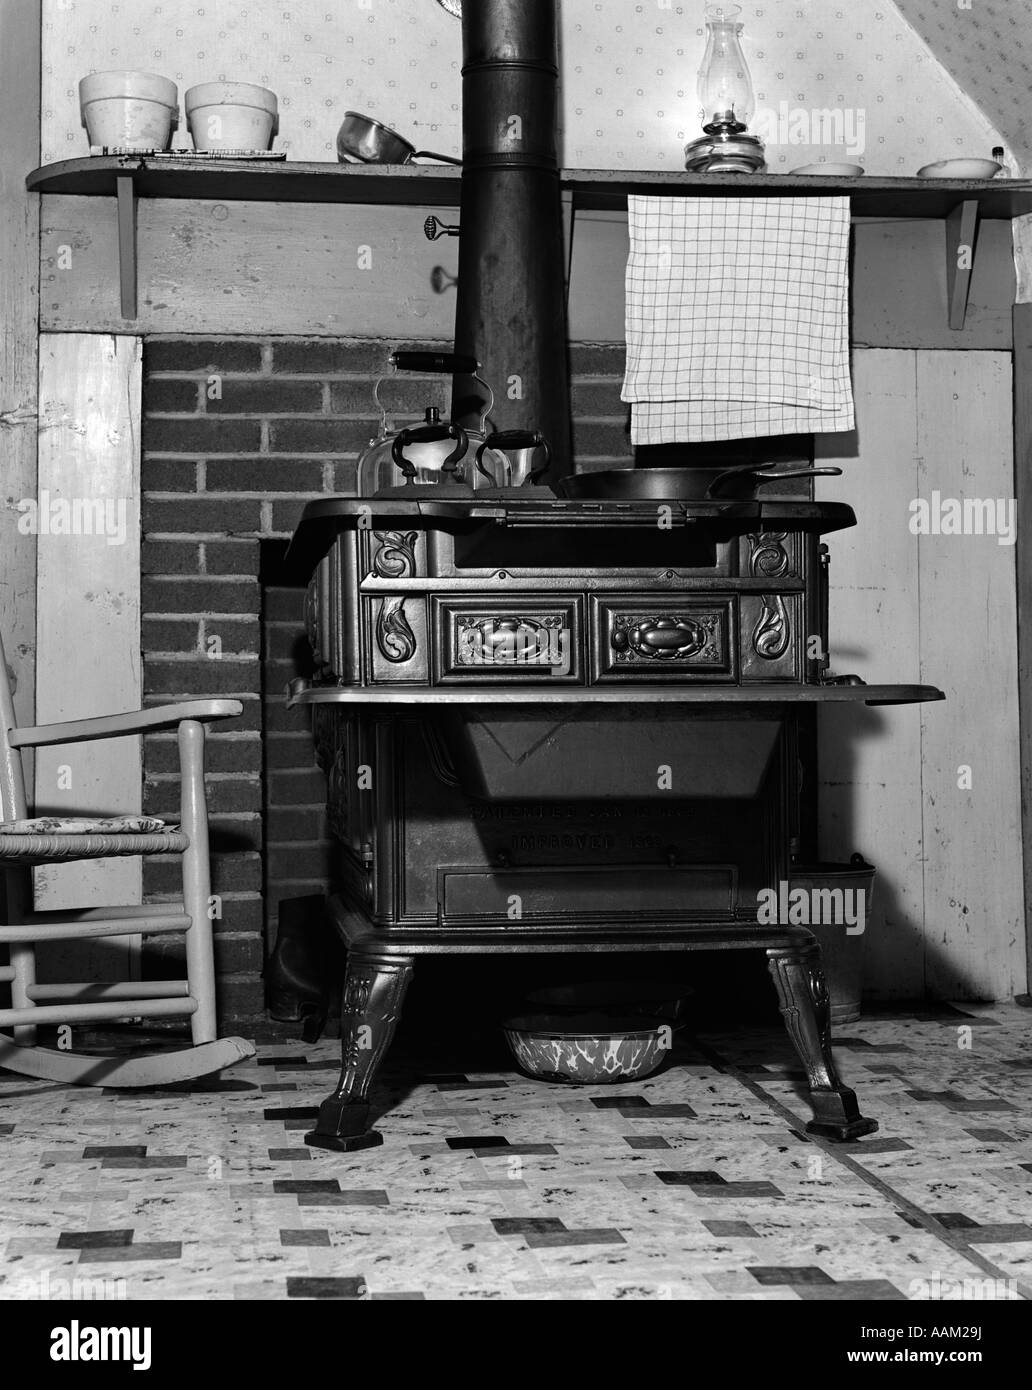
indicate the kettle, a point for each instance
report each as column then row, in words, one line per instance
column 439, row 453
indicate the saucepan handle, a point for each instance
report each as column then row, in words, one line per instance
column 453, row 363
column 432, row 154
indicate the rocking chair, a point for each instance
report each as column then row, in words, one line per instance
column 27, row 843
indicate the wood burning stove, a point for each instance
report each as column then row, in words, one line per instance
column 565, row 726
column 558, row 724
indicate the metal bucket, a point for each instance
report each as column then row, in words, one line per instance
column 842, row 950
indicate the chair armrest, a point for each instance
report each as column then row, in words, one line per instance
column 140, row 721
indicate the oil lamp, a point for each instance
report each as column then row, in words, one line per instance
column 726, row 101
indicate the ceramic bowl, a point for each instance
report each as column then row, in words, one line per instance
column 960, row 169
column 588, row 1049
column 842, row 171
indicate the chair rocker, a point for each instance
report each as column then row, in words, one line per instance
column 23, row 929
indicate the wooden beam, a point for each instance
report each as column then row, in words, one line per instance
column 961, row 236
column 1023, row 509
column 19, row 326
column 127, row 246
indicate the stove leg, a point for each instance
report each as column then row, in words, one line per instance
column 803, row 998
column 374, row 989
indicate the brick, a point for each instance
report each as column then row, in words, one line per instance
column 605, row 441
column 344, row 477
column 289, row 751
column 283, row 602
column 301, row 862
column 233, row 794
column 239, row 755
column 200, row 515
column 287, row 824
column 304, row 787
column 165, row 395
column 203, row 435
column 320, row 436
column 264, row 475
column 166, row 635
column 240, row 915
column 238, row 954
column 201, row 354
column 285, row 516
column 599, row 398
column 331, row 356
column 170, row 557
column 406, row 397
column 187, row 595
column 230, row 873
column 231, row 557
column 200, row 679
column 237, row 637
column 276, row 716
column 281, row 641
column 169, row 475
column 597, row 359
column 267, row 396
column 235, row 835
column 239, row 999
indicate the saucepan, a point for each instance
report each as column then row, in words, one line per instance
column 364, row 140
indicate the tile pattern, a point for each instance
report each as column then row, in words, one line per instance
column 696, row 1183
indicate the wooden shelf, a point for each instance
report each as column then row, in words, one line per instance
column 438, row 185
column 958, row 202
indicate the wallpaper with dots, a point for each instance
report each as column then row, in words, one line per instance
column 988, row 49
column 835, row 79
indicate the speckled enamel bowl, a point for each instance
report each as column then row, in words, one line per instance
column 588, row 1050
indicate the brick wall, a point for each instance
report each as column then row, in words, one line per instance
column 238, row 434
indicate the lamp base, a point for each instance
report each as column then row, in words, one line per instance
column 725, row 151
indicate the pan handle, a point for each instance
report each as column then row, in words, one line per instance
column 452, row 363
column 431, row 154
column 739, row 482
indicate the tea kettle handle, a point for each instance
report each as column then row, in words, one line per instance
column 516, row 439
column 427, row 434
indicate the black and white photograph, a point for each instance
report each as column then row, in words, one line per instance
column 516, row 681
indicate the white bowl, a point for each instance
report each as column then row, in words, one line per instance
column 133, row 110
column 842, row 171
column 960, row 169
column 231, row 116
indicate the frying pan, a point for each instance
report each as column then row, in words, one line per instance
column 367, row 141
column 697, row 484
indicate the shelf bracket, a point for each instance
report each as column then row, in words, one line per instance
column 126, row 188
column 961, row 236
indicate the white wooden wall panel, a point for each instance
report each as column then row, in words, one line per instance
column 974, row 912
column 88, row 625
column 870, row 759
column 941, row 610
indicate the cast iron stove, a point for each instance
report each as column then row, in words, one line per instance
column 566, row 726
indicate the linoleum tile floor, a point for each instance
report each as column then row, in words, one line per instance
column 695, row 1183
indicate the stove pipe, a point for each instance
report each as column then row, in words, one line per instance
column 510, row 310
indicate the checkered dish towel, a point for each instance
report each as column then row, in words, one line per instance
column 737, row 318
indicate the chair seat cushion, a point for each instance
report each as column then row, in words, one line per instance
column 86, row 825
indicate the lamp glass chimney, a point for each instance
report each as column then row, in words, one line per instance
column 725, row 87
